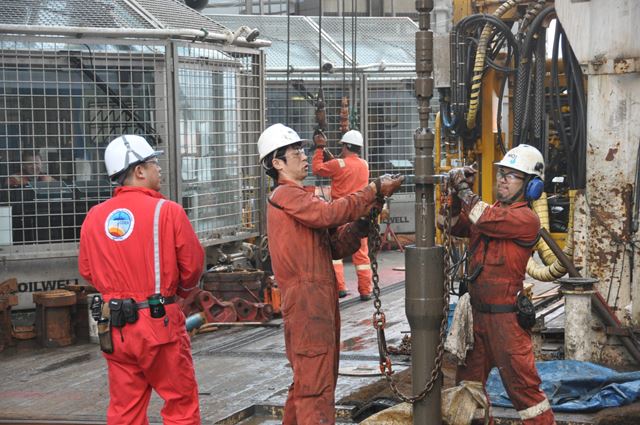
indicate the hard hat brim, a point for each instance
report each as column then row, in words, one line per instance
column 155, row 154
column 306, row 144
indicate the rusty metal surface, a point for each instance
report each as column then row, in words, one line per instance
column 252, row 312
column 54, row 326
column 6, row 338
column 217, row 310
column 236, row 284
column 9, row 286
column 55, row 298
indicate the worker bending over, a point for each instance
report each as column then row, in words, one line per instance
column 139, row 249
column 349, row 173
column 305, row 233
column 501, row 238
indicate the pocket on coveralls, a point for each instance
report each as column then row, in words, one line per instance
column 312, row 371
column 522, row 371
column 163, row 330
column 310, row 319
column 495, row 253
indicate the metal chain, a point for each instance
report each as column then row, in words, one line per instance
column 379, row 319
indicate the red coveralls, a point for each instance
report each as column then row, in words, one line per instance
column 348, row 175
column 498, row 338
column 301, row 253
column 117, row 257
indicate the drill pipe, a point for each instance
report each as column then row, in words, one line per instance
column 424, row 296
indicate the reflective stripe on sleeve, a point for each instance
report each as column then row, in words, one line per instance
column 533, row 411
column 363, row 267
column 477, row 210
column 156, row 244
column 342, row 163
column 336, row 262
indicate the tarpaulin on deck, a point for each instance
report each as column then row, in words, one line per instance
column 574, row 386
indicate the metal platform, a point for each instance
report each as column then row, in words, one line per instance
column 243, row 374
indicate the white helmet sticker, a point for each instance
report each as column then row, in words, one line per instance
column 119, row 224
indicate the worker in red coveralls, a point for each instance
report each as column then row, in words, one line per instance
column 305, row 232
column 501, row 238
column 349, row 173
column 139, row 248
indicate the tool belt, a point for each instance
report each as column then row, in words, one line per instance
column 524, row 309
column 493, row 308
column 125, row 311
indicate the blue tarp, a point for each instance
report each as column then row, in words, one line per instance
column 573, row 386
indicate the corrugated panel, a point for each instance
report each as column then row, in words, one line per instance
column 141, row 14
column 303, row 35
column 78, row 13
column 175, row 14
column 378, row 39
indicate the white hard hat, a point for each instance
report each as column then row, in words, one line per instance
column 352, row 137
column 127, row 150
column 524, row 158
column 275, row 137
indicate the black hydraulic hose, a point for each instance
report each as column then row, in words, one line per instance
column 531, row 13
column 503, row 84
column 462, row 52
column 499, row 139
column 529, row 42
column 524, row 76
column 572, row 134
column 538, row 102
column 578, row 108
column 555, row 89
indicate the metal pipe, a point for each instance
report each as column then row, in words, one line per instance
column 190, row 34
column 424, row 261
column 559, row 253
column 376, row 66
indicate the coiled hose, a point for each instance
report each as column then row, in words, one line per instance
column 478, row 67
column 552, row 269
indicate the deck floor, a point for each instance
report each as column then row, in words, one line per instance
column 235, row 368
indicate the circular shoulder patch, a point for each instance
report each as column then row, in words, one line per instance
column 119, row 224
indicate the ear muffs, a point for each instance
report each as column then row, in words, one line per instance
column 534, row 189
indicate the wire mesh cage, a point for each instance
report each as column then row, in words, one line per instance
column 61, row 105
column 376, row 74
column 62, row 99
column 220, row 119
